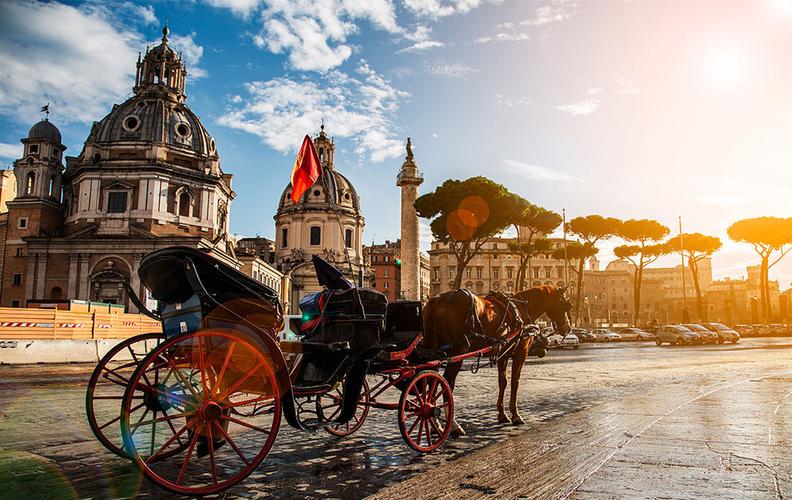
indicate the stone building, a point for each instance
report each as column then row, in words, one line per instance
column 387, row 270
column 493, row 268
column 326, row 221
column 148, row 177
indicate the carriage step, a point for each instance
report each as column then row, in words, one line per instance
column 313, row 423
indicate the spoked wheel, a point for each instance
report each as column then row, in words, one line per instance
column 203, row 385
column 328, row 406
column 426, row 411
column 107, row 384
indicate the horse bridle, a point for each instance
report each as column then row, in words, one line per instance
column 509, row 308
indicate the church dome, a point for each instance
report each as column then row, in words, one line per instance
column 153, row 120
column 45, row 130
column 330, row 187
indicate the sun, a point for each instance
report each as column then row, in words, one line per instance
column 727, row 67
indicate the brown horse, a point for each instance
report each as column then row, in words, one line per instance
column 458, row 322
column 531, row 304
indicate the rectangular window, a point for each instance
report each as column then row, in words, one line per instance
column 34, row 148
column 495, row 273
column 15, row 303
column 348, row 238
column 284, row 237
column 373, row 258
column 478, row 272
column 386, row 258
column 510, row 272
column 384, row 273
column 116, row 202
column 436, row 272
column 316, row 235
column 23, row 223
column 385, row 285
column 16, row 279
column 468, row 273
column 19, row 252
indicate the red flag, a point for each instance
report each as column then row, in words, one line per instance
column 306, row 169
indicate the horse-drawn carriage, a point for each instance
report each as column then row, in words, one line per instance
column 201, row 403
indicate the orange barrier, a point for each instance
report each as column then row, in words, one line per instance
column 51, row 324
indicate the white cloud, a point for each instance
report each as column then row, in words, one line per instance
column 556, row 11
column 594, row 91
column 360, row 107
column 314, row 34
column 511, row 102
column 241, row 8
column 10, row 151
column 448, row 69
column 78, row 59
column 421, row 38
column 421, row 46
column 582, row 108
column 537, row 173
column 627, row 86
column 439, row 8
column 146, row 13
column 192, row 53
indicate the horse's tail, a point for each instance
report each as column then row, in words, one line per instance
column 430, row 340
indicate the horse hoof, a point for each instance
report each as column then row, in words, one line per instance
column 458, row 432
column 517, row 420
column 503, row 419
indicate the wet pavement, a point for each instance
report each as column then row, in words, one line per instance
column 607, row 420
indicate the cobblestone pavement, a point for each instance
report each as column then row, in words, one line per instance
column 603, row 421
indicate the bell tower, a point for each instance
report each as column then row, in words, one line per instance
column 161, row 71
column 325, row 149
column 408, row 180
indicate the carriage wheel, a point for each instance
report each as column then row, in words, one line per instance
column 328, row 406
column 107, row 384
column 198, row 380
column 426, row 411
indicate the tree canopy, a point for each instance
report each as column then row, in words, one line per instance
column 642, row 230
column 592, row 228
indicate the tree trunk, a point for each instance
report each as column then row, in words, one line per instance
column 579, row 291
column 637, row 296
column 693, row 264
column 767, row 308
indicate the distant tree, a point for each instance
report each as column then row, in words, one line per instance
column 694, row 247
column 767, row 235
column 576, row 252
column 590, row 229
column 465, row 215
column 532, row 222
column 644, row 235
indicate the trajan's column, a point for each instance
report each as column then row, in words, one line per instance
column 408, row 180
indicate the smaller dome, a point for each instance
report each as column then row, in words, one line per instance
column 45, row 130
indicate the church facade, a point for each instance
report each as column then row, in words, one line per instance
column 148, row 177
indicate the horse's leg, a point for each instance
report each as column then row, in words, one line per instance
column 502, row 363
column 518, row 360
column 450, row 374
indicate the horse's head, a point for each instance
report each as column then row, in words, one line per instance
column 501, row 309
column 558, row 310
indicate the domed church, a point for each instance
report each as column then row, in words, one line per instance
column 326, row 221
column 148, row 177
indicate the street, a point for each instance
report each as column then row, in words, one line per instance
column 607, row 420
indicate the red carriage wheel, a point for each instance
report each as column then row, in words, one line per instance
column 328, row 406
column 198, row 380
column 426, row 411
column 107, row 384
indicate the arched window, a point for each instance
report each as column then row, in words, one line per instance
column 348, row 238
column 284, row 237
column 56, row 293
column 30, row 184
column 316, row 235
column 185, row 204
column 52, row 186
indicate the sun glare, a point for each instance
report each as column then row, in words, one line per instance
column 784, row 6
column 727, row 67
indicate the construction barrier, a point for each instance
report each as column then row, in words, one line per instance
column 55, row 324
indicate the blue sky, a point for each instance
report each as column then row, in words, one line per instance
column 627, row 108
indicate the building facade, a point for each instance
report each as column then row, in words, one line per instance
column 326, row 221
column 148, row 177
column 387, row 270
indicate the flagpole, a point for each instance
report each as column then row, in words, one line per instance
column 682, row 256
column 566, row 259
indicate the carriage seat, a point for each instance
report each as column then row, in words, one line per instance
column 403, row 323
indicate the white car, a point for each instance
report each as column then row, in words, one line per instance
column 605, row 335
column 571, row 340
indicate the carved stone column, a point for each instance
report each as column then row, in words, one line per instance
column 41, row 279
column 84, row 278
column 73, row 259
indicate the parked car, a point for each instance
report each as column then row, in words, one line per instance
column 635, row 334
column 584, row 335
column 569, row 340
column 761, row 330
column 676, row 335
column 538, row 346
column 707, row 336
column 725, row 334
column 605, row 335
column 744, row 330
